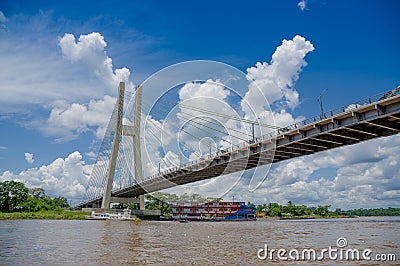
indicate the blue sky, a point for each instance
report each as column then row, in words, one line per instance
column 355, row 55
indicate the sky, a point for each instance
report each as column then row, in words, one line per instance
column 61, row 62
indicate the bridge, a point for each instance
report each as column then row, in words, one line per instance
column 375, row 117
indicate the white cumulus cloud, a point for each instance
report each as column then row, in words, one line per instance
column 72, row 119
column 29, row 157
column 275, row 81
column 89, row 49
column 63, row 177
column 68, row 120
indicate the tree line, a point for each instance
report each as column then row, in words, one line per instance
column 375, row 212
column 276, row 210
column 291, row 210
column 15, row 196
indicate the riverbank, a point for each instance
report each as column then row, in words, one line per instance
column 44, row 215
column 306, row 217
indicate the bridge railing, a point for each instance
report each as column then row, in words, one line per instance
column 337, row 111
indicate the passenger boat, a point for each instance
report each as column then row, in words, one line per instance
column 213, row 212
column 97, row 215
column 102, row 215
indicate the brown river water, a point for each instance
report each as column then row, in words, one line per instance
column 46, row 242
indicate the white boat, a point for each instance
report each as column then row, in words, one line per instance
column 98, row 215
column 102, row 215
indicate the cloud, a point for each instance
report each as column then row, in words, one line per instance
column 90, row 50
column 276, row 79
column 302, row 4
column 63, row 177
column 211, row 96
column 67, row 121
column 29, row 87
column 29, row 157
column 43, row 93
column 3, row 148
column 2, row 17
column 70, row 120
column 92, row 155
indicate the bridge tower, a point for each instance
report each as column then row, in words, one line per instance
column 125, row 130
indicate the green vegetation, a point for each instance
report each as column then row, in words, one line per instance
column 158, row 201
column 19, row 202
column 16, row 197
column 59, row 214
column 302, row 211
column 12, row 195
column 37, row 200
column 298, row 211
column 375, row 212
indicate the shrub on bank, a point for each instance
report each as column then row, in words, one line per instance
column 58, row 214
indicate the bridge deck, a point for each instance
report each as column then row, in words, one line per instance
column 369, row 121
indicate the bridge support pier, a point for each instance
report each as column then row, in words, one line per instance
column 137, row 154
column 133, row 131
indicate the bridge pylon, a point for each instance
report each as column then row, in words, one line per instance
column 126, row 130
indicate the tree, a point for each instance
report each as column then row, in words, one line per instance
column 172, row 198
column 61, row 202
column 32, row 204
column 154, row 203
column 184, row 197
column 217, row 200
column 274, row 209
column 12, row 194
column 195, row 197
column 37, row 193
column 322, row 210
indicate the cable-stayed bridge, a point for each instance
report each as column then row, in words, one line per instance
column 117, row 178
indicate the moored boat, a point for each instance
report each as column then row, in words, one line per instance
column 102, row 215
column 98, row 215
column 213, row 212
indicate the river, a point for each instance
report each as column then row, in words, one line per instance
column 48, row 242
